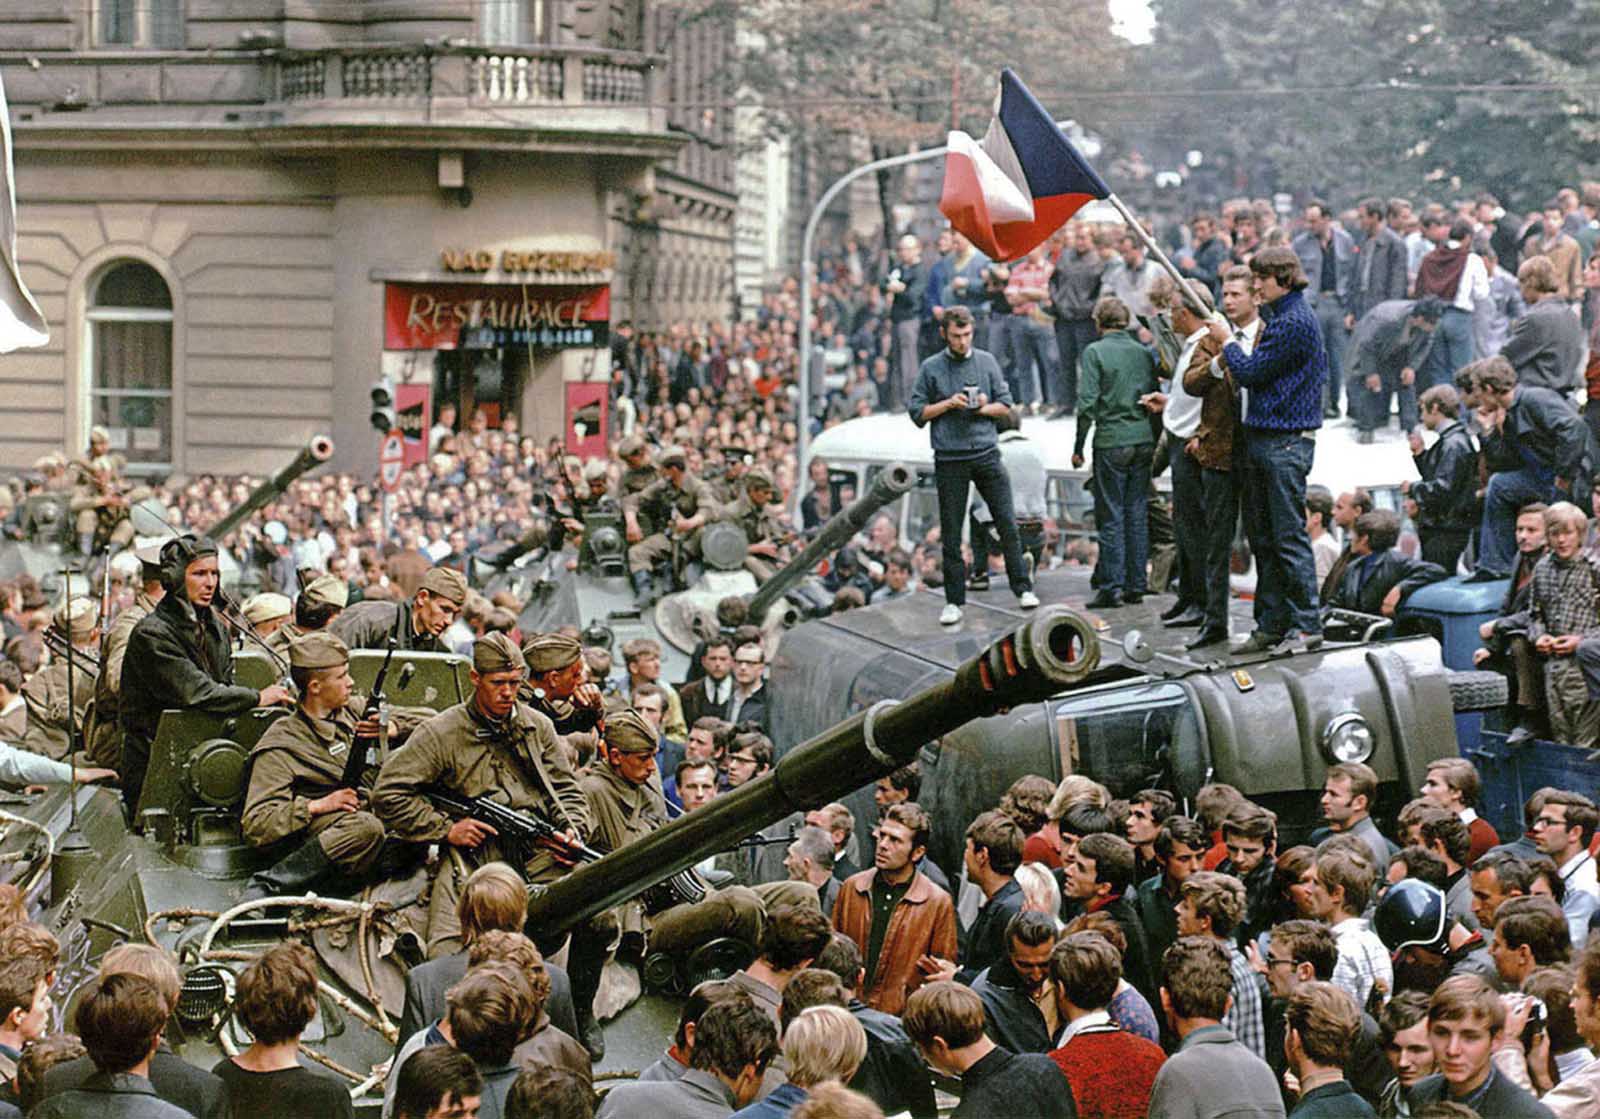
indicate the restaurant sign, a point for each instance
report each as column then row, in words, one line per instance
column 462, row 316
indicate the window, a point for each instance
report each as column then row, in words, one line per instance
column 1132, row 738
column 510, row 23
column 130, row 364
column 156, row 24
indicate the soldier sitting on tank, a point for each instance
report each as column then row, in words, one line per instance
column 754, row 513
column 1379, row 576
column 58, row 713
column 559, row 688
column 417, row 625
column 318, row 604
column 267, row 613
column 100, row 503
column 627, row 804
column 640, row 469
column 662, row 520
column 298, row 801
column 1563, row 611
column 178, row 657
column 490, row 746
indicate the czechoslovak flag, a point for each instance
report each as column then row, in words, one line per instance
column 1021, row 183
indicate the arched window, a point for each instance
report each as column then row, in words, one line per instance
column 130, row 363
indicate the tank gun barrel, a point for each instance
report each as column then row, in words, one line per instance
column 1055, row 650
column 892, row 481
column 316, row 452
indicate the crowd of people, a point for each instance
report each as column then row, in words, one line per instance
column 1094, row 955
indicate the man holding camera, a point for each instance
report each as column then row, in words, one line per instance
column 906, row 285
column 961, row 392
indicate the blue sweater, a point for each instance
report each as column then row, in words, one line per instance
column 1286, row 371
column 959, row 433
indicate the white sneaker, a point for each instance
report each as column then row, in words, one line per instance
column 1028, row 600
column 950, row 615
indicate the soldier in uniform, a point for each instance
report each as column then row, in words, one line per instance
column 298, row 799
column 105, row 740
column 100, row 506
column 753, row 513
column 54, row 723
column 490, row 746
column 318, row 605
column 640, row 471
column 178, row 657
column 558, row 688
column 627, row 804
column 677, row 502
column 267, row 613
column 729, row 487
column 417, row 624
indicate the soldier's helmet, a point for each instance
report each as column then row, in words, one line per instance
column 1412, row 915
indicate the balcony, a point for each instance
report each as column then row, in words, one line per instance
column 399, row 94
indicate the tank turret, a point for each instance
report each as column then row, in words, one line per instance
column 892, row 482
column 316, row 452
column 1054, row 651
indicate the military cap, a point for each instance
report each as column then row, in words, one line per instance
column 98, row 434
column 495, row 652
column 77, row 617
column 49, row 462
column 673, row 456
column 630, row 732
column 756, row 476
column 632, row 445
column 571, row 464
column 551, row 651
column 266, row 607
column 595, row 470
column 318, row 649
column 329, row 589
column 446, row 582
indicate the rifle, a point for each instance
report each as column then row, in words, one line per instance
column 521, row 832
column 361, row 748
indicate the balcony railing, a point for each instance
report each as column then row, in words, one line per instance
column 509, row 76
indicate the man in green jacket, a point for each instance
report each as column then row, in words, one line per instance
column 1118, row 373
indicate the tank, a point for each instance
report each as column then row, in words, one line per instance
column 596, row 596
column 1054, row 651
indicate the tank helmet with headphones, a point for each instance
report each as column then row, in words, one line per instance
column 176, row 556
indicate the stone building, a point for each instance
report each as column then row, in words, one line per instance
column 237, row 215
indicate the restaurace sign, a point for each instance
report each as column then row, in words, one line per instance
column 472, row 316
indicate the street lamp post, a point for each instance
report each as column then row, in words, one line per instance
column 806, row 264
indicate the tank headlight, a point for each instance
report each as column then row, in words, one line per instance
column 1347, row 738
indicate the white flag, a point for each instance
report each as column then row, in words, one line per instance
column 21, row 322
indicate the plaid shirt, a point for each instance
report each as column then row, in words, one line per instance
column 1363, row 960
column 1566, row 597
column 1244, row 1017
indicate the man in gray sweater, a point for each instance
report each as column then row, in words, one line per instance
column 963, row 395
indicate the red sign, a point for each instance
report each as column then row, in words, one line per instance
column 588, row 404
column 391, row 460
column 413, row 408
column 455, row 316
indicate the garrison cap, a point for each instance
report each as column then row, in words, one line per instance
column 630, row 732
column 266, row 606
column 318, row 649
column 495, row 652
column 595, row 470
column 329, row 589
column 551, row 651
column 77, row 617
column 632, row 445
column 756, row 476
column 446, row 582
column 98, row 434
column 672, row 456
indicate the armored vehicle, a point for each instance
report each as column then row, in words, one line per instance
column 596, row 595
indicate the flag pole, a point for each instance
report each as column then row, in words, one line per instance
column 1154, row 250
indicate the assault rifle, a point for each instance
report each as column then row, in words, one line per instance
column 522, row 832
column 361, row 749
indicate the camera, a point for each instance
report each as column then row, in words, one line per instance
column 1537, row 1015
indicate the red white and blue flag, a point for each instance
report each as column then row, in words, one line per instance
column 1021, row 182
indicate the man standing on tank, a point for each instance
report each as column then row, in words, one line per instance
column 962, row 393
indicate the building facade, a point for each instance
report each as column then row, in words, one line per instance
column 236, row 216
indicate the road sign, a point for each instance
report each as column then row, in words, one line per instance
column 391, row 460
